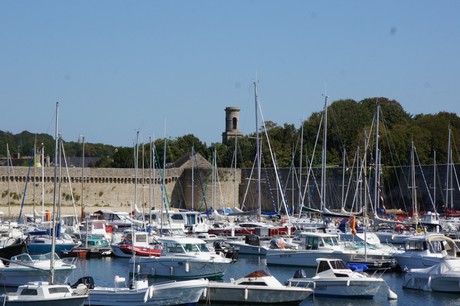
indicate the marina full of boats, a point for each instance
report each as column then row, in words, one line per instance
column 349, row 260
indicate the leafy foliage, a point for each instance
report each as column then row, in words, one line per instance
column 350, row 126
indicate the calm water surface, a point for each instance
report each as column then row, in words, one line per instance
column 104, row 270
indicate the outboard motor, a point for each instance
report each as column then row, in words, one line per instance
column 86, row 280
column 300, row 274
column 252, row 240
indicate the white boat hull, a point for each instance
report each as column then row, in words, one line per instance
column 439, row 284
column 407, row 261
column 238, row 294
column 303, row 258
column 249, row 249
column 356, row 288
column 170, row 293
column 182, row 267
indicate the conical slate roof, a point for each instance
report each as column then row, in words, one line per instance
column 186, row 162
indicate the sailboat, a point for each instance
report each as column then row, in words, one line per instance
column 48, row 293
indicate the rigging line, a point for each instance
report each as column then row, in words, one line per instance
column 267, row 178
column 424, row 179
column 161, row 174
column 283, row 197
column 70, row 183
column 310, row 167
column 391, row 146
column 25, row 187
column 250, row 179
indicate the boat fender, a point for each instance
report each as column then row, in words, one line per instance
column 246, row 293
column 151, row 291
column 171, row 270
column 187, row 266
column 146, row 296
column 119, row 279
column 392, row 295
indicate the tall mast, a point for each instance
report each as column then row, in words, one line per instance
column 323, row 158
column 449, row 190
column 434, row 178
column 53, row 224
column 259, row 204
column 414, row 187
column 300, row 170
column 136, row 165
column 193, row 178
column 234, row 172
column 377, row 153
column 8, row 160
column 82, row 176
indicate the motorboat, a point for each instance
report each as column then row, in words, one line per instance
column 425, row 251
column 442, row 277
column 184, row 257
column 46, row 294
column 40, row 243
column 258, row 287
column 311, row 246
column 334, row 278
column 93, row 246
column 251, row 245
column 136, row 242
column 139, row 292
column 25, row 268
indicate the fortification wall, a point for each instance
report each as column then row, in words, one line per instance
column 116, row 189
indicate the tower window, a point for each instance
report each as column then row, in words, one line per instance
column 234, row 123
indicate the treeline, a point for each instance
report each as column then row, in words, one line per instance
column 350, row 129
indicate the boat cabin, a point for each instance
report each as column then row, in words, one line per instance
column 315, row 241
column 183, row 245
column 332, row 267
column 435, row 244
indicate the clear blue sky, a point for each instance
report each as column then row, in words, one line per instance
column 169, row 68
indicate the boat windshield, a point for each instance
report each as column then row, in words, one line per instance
column 46, row 256
column 331, row 264
column 415, row 245
column 195, row 248
column 329, row 241
column 29, row 258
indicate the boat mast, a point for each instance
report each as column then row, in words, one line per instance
column 323, row 159
column 434, row 178
column 258, row 154
column 377, row 153
column 449, row 190
column 136, row 165
column 8, row 160
column 53, row 224
column 414, row 187
column 43, row 181
column 82, row 176
column 300, row 171
column 234, row 172
column 193, row 177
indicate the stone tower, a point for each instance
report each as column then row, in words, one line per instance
column 232, row 124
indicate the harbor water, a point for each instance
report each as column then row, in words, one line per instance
column 103, row 271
